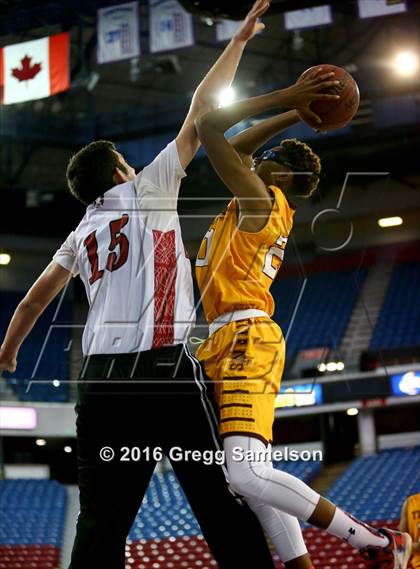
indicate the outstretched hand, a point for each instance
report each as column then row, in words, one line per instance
column 7, row 362
column 251, row 26
column 309, row 88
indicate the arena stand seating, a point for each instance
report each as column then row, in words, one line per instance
column 56, row 366
column 305, row 470
column 322, row 316
column 166, row 535
column 324, row 309
column 399, row 323
column 373, row 489
column 31, row 531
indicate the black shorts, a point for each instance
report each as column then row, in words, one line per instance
column 157, row 399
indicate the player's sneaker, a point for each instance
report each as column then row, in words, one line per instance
column 394, row 556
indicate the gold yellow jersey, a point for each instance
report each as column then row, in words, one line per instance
column 413, row 520
column 236, row 268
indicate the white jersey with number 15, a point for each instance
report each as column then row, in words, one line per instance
column 129, row 253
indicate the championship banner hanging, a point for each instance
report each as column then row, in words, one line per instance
column 308, row 18
column 226, row 29
column 171, row 26
column 369, row 9
column 34, row 69
column 118, row 33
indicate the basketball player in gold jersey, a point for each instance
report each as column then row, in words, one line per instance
column 410, row 522
column 245, row 352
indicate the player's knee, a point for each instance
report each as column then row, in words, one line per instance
column 238, row 482
column 244, row 480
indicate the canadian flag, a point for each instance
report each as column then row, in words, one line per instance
column 34, row 69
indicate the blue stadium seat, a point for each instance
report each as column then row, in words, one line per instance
column 324, row 310
column 165, row 511
column 398, row 324
column 305, row 470
column 375, row 487
column 44, row 356
column 32, row 511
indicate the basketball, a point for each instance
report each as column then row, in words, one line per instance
column 336, row 114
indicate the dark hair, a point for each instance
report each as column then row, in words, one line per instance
column 303, row 159
column 90, row 172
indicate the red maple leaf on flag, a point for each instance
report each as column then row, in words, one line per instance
column 26, row 71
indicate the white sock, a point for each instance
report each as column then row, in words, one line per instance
column 355, row 532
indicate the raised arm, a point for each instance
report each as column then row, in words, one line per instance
column 226, row 160
column 247, row 142
column 218, row 78
column 403, row 519
column 42, row 292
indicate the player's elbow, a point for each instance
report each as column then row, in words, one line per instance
column 202, row 121
column 204, row 125
column 204, row 102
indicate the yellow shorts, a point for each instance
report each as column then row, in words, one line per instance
column 246, row 360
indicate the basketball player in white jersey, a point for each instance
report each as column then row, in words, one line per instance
column 139, row 385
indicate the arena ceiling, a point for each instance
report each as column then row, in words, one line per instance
column 133, row 100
